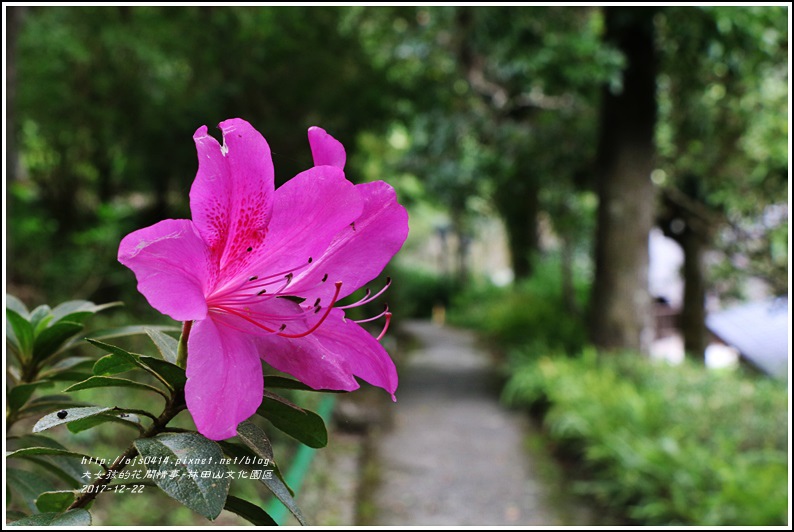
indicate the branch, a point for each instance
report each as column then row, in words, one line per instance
column 173, row 407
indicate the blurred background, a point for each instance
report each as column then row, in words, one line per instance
column 576, row 177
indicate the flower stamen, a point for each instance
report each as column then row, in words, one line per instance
column 330, row 306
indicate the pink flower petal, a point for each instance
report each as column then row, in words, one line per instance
column 331, row 356
column 172, row 265
column 224, row 379
column 308, row 361
column 364, row 355
column 232, row 196
column 308, row 211
column 326, row 150
column 359, row 252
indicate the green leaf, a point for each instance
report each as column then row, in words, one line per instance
column 20, row 394
column 16, row 304
column 130, row 330
column 67, row 416
column 284, row 383
column 49, row 341
column 55, row 501
column 170, row 373
column 28, row 485
column 105, row 382
column 175, row 452
column 39, row 451
column 303, row 425
column 116, row 332
column 50, row 402
column 115, row 363
column 78, row 310
column 40, row 317
column 33, row 440
column 68, row 468
column 251, row 512
column 121, row 360
column 68, row 368
column 167, row 345
column 23, row 332
column 256, row 439
column 80, row 425
column 78, row 517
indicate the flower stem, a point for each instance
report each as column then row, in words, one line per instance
column 181, row 352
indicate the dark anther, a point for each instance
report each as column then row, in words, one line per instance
column 253, row 278
column 353, row 225
column 310, row 260
column 325, row 278
column 262, row 292
column 289, row 276
column 317, row 309
column 317, row 303
column 388, row 280
column 62, row 414
column 283, row 326
column 250, row 249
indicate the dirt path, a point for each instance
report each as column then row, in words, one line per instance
column 455, row 456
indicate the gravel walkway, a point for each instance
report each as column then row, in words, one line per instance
column 455, row 456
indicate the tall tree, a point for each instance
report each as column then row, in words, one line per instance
column 723, row 147
column 620, row 303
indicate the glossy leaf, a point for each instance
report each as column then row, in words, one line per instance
column 23, row 332
column 116, row 332
column 40, row 317
column 67, row 416
column 105, row 382
column 49, row 341
column 115, row 363
column 78, row 310
column 69, row 368
column 167, row 345
column 174, row 452
column 120, row 360
column 39, row 451
column 170, row 373
column 55, row 501
column 16, row 304
column 78, row 517
column 284, row 383
column 256, row 439
column 20, row 394
column 67, row 467
column 275, row 483
column 303, row 425
column 80, row 425
column 50, row 402
column 27, row 485
column 249, row 511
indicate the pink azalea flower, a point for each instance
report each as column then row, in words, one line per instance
column 258, row 271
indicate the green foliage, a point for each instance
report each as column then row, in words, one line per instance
column 53, row 483
column 670, row 445
column 415, row 291
column 532, row 313
column 190, row 455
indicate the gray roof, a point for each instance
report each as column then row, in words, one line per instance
column 759, row 331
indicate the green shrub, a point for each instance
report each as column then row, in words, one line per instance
column 532, row 312
column 675, row 445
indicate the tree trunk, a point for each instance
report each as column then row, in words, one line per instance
column 519, row 210
column 693, row 313
column 621, row 311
